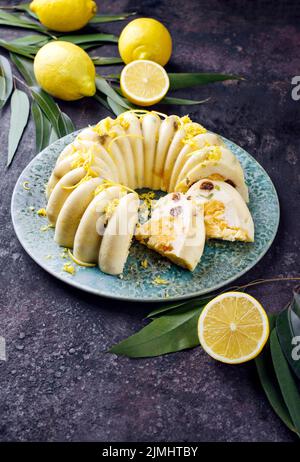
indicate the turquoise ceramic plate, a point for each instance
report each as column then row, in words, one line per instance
column 222, row 262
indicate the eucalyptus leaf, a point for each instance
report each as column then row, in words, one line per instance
column 102, row 99
column 167, row 334
column 286, row 380
column 89, row 38
column 106, row 61
column 31, row 40
column 60, row 123
column 2, row 91
column 22, row 7
column 104, row 87
column 102, row 18
column 269, row 383
column 182, row 101
column 198, row 302
column 19, row 117
column 193, row 79
column 47, row 104
column 42, row 127
column 295, row 305
column 115, row 107
column 288, row 329
column 25, row 67
column 53, row 136
column 17, row 20
column 23, row 50
column 6, row 82
column 65, row 124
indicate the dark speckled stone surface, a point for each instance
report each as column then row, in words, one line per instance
column 58, row 384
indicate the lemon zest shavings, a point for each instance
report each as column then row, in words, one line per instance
column 103, row 127
column 42, row 212
column 109, row 183
column 147, row 197
column 216, row 177
column 158, row 281
column 25, row 183
column 79, row 262
column 111, row 207
column 209, row 154
column 140, row 113
column 46, row 227
column 84, row 160
column 144, row 263
column 69, row 268
column 64, row 253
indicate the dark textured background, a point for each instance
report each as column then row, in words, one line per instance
column 58, row 383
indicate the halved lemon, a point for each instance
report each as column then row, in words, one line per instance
column 144, row 82
column 233, row 328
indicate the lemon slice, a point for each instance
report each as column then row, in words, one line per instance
column 233, row 328
column 144, row 82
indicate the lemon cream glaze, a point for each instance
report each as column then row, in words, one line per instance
column 94, row 207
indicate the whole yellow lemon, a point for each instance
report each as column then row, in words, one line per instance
column 65, row 71
column 145, row 38
column 64, row 15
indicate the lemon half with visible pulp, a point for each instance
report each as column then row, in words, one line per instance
column 145, row 38
column 144, row 82
column 65, row 70
column 64, row 15
column 233, row 327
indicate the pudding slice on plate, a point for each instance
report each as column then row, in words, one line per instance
column 175, row 230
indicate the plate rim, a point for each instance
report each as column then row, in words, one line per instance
column 90, row 290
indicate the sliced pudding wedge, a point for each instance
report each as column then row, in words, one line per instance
column 175, row 230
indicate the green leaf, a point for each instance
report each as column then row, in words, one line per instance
column 25, row 67
column 23, row 7
column 106, row 61
column 295, row 306
column 115, row 107
column 199, row 302
column 181, row 101
column 53, row 136
column 288, row 328
column 102, row 18
column 100, row 98
column 286, row 380
column 65, row 124
column 60, row 122
column 90, row 38
column 103, row 86
column 47, row 104
column 17, row 20
column 167, row 334
column 42, row 127
column 6, row 82
column 269, row 383
column 18, row 121
column 187, row 80
column 112, row 77
column 27, row 51
column 31, row 40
